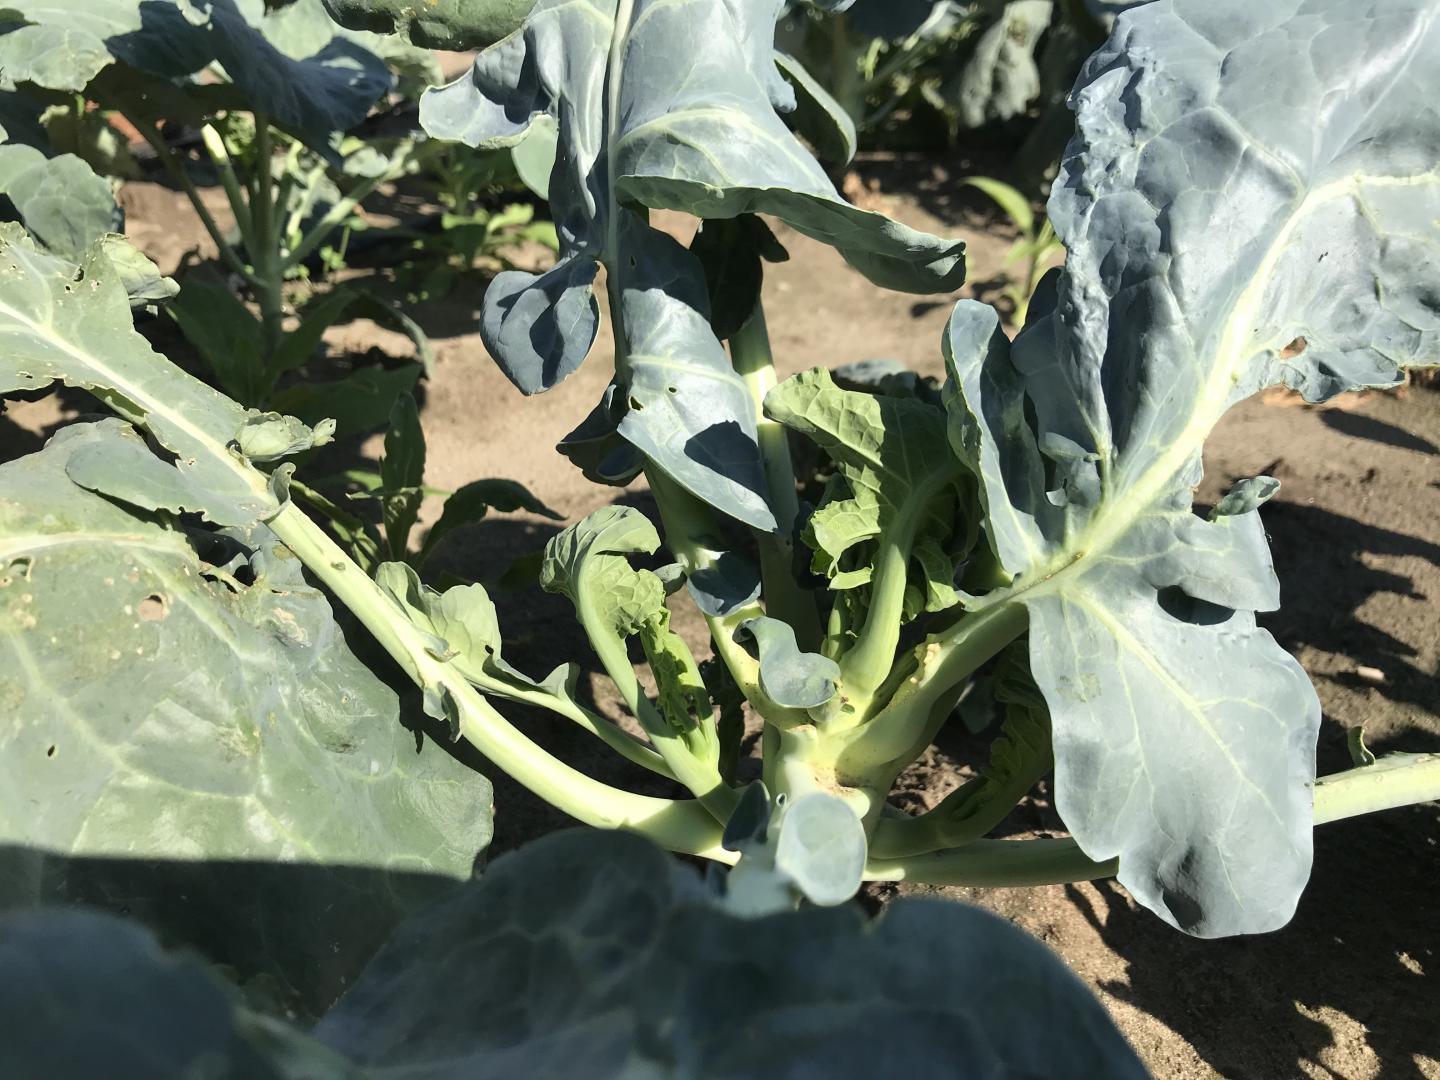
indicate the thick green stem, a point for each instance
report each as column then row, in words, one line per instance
column 784, row 598
column 886, row 742
column 864, row 668
column 1393, row 781
column 996, row 864
column 679, row 826
column 265, row 252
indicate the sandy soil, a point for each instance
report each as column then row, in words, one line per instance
column 1349, row 989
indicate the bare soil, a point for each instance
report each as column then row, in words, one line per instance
column 1351, row 989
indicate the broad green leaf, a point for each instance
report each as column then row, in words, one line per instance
column 648, row 146
column 60, row 323
column 454, row 25
column 1001, row 80
column 180, row 704
column 733, row 252
column 640, row 974
column 1184, row 736
column 59, row 200
column 898, row 484
column 66, row 43
column 224, row 332
column 304, row 28
column 789, row 677
column 471, row 502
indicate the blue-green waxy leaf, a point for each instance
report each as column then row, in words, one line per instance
column 750, row 820
column 455, row 25
column 144, row 1012
column 821, row 848
column 640, row 974
column 1184, row 736
column 63, row 44
column 630, row 126
column 789, row 677
column 818, row 116
column 185, row 709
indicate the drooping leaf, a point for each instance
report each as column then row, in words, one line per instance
column 641, row 974
column 60, row 323
column 168, row 725
column 1001, row 80
column 818, row 116
column 59, row 200
column 1184, row 736
column 66, row 43
column 685, row 408
column 789, row 677
column 733, row 252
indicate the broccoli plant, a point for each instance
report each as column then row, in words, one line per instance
column 1030, row 536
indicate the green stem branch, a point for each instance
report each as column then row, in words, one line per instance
column 680, row 826
column 152, row 135
column 784, row 598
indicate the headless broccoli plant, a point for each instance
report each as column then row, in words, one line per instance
column 1035, row 527
column 1029, row 536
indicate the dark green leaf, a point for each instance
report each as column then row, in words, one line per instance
column 358, row 403
column 402, row 472
column 522, row 974
column 474, row 500
column 224, row 332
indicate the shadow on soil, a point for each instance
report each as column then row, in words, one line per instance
column 1364, row 942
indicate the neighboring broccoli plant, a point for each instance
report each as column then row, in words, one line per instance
column 271, row 96
column 180, row 691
